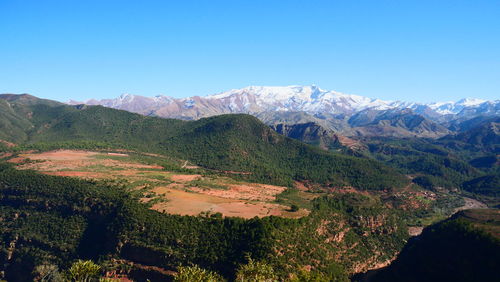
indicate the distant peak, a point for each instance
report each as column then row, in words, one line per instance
column 470, row 101
column 126, row 95
column 256, row 99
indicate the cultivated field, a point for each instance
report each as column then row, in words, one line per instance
column 166, row 191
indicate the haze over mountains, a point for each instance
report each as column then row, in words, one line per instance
column 350, row 115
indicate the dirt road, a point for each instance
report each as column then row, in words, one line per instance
column 471, row 204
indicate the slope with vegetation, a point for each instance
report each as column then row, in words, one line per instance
column 359, row 207
column 437, row 165
column 52, row 221
column 229, row 142
column 465, row 247
column 432, row 165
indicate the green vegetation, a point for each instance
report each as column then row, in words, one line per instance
column 342, row 231
column 488, row 185
column 206, row 184
column 196, row 274
column 439, row 165
column 255, row 271
column 239, row 143
column 54, row 225
column 463, row 248
column 12, row 126
column 293, row 196
column 487, row 163
column 294, row 208
column 435, row 165
column 242, row 143
column 83, row 271
column 313, row 276
column 433, row 211
column 449, row 163
column 48, row 220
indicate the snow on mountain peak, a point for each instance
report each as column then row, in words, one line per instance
column 302, row 98
column 258, row 99
column 451, row 107
column 471, row 101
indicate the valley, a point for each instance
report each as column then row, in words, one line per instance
column 249, row 141
column 143, row 196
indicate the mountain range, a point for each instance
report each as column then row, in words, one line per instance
column 258, row 99
column 235, row 142
column 363, row 193
column 347, row 114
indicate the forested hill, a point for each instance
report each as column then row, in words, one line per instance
column 465, row 247
column 238, row 143
column 48, row 222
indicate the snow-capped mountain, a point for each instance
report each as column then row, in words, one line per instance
column 252, row 99
column 447, row 108
column 310, row 99
column 258, row 99
column 317, row 104
column 133, row 103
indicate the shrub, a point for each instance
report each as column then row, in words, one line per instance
column 255, row 271
column 83, row 271
column 196, row 274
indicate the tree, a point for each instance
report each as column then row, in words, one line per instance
column 310, row 276
column 294, row 208
column 255, row 271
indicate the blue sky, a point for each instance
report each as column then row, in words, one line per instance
column 395, row 50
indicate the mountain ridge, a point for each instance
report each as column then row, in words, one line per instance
column 333, row 110
column 311, row 99
column 237, row 142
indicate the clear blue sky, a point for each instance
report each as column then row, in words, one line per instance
column 407, row 50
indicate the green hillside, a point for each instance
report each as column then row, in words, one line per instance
column 13, row 127
column 52, row 221
column 242, row 143
column 438, row 164
column 465, row 247
column 488, row 185
column 49, row 222
column 238, row 143
column 432, row 164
